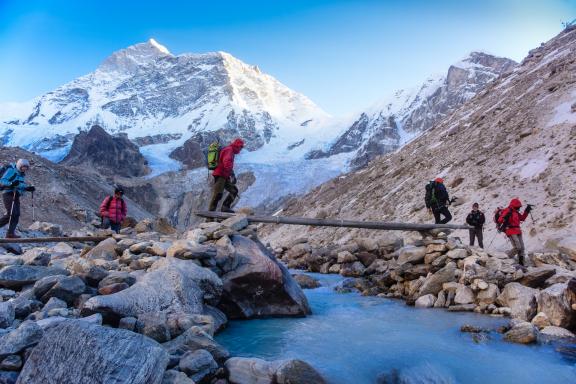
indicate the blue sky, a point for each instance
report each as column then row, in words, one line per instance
column 344, row 55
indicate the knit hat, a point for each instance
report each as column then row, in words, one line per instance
column 22, row 163
column 439, row 180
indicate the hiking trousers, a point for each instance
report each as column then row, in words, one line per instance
column 221, row 184
column 443, row 210
column 517, row 248
column 477, row 233
column 8, row 198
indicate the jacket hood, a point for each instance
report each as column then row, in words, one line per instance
column 237, row 145
column 515, row 203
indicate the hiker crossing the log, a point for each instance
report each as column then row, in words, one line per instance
column 14, row 186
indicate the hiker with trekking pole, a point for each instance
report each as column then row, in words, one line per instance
column 437, row 201
column 509, row 220
column 13, row 185
column 221, row 161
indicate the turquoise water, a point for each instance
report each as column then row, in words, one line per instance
column 354, row 339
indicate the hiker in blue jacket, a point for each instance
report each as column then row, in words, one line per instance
column 13, row 186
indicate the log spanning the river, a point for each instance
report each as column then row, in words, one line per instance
column 80, row 239
column 380, row 225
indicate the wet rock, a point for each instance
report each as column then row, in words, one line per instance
column 536, row 277
column 462, row 308
column 471, row 329
column 112, row 288
column 194, row 339
column 412, row 255
column 522, row 333
column 433, row 283
column 306, row 282
column 7, row 314
column 259, row 285
column 555, row 302
column 426, row 301
column 173, row 285
column 175, row 377
column 26, row 335
column 17, row 276
column 198, row 365
column 520, row 299
column 552, row 332
column 11, row 363
column 297, row 372
column 441, row 300
column 78, row 352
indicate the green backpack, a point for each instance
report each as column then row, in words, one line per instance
column 213, row 155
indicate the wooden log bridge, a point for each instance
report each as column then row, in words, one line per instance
column 380, row 225
column 80, row 239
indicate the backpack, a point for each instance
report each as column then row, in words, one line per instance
column 431, row 193
column 213, row 155
column 501, row 227
column 3, row 170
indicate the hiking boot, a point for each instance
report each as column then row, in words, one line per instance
column 12, row 236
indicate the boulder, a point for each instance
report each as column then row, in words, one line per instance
column 66, row 288
column 567, row 245
column 243, row 370
column 366, row 258
column 11, row 363
column 194, row 339
column 7, row 314
column 258, row 285
column 297, row 372
column 36, row 256
column 306, row 282
column 540, row 320
column 345, row 257
column 187, row 250
column 26, row 335
column 552, row 332
column 8, row 377
column 458, row 253
column 154, row 325
column 464, row 295
column 555, row 301
column 116, row 277
column 112, row 288
column 176, row 377
column 47, row 228
column 412, row 255
column 79, row 352
column 426, row 301
column 522, row 333
column 17, row 276
column 105, row 250
column 6, row 260
column 173, row 285
column 520, row 299
column 355, row 269
column 489, row 295
column 236, row 222
column 198, row 365
column 536, row 277
column 433, row 283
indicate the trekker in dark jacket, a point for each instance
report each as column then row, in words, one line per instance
column 13, row 186
column 513, row 218
column 476, row 219
column 437, row 200
column 224, row 178
column 113, row 210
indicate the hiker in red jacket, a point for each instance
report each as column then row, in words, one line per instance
column 113, row 210
column 511, row 218
column 224, row 178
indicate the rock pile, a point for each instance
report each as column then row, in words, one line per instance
column 141, row 307
column 440, row 272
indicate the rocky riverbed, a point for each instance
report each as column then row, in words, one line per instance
column 142, row 307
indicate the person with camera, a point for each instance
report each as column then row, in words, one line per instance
column 224, row 178
column 476, row 219
column 510, row 219
column 13, row 185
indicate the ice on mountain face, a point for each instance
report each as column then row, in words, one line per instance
column 158, row 159
column 129, row 60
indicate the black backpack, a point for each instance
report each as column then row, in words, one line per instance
column 431, row 194
column 501, row 227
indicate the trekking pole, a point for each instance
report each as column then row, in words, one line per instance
column 491, row 241
column 12, row 209
column 33, row 209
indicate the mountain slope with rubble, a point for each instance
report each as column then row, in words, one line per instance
column 515, row 139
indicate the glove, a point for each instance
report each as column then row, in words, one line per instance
column 528, row 209
column 15, row 183
column 30, row 188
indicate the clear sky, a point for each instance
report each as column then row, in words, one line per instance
column 344, row 55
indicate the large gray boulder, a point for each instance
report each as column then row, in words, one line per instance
column 198, row 365
column 412, row 255
column 257, row 285
column 173, row 285
column 257, row 371
column 520, row 299
column 78, row 352
column 555, row 301
column 17, row 276
column 433, row 283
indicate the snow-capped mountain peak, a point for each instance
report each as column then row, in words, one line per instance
column 128, row 60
